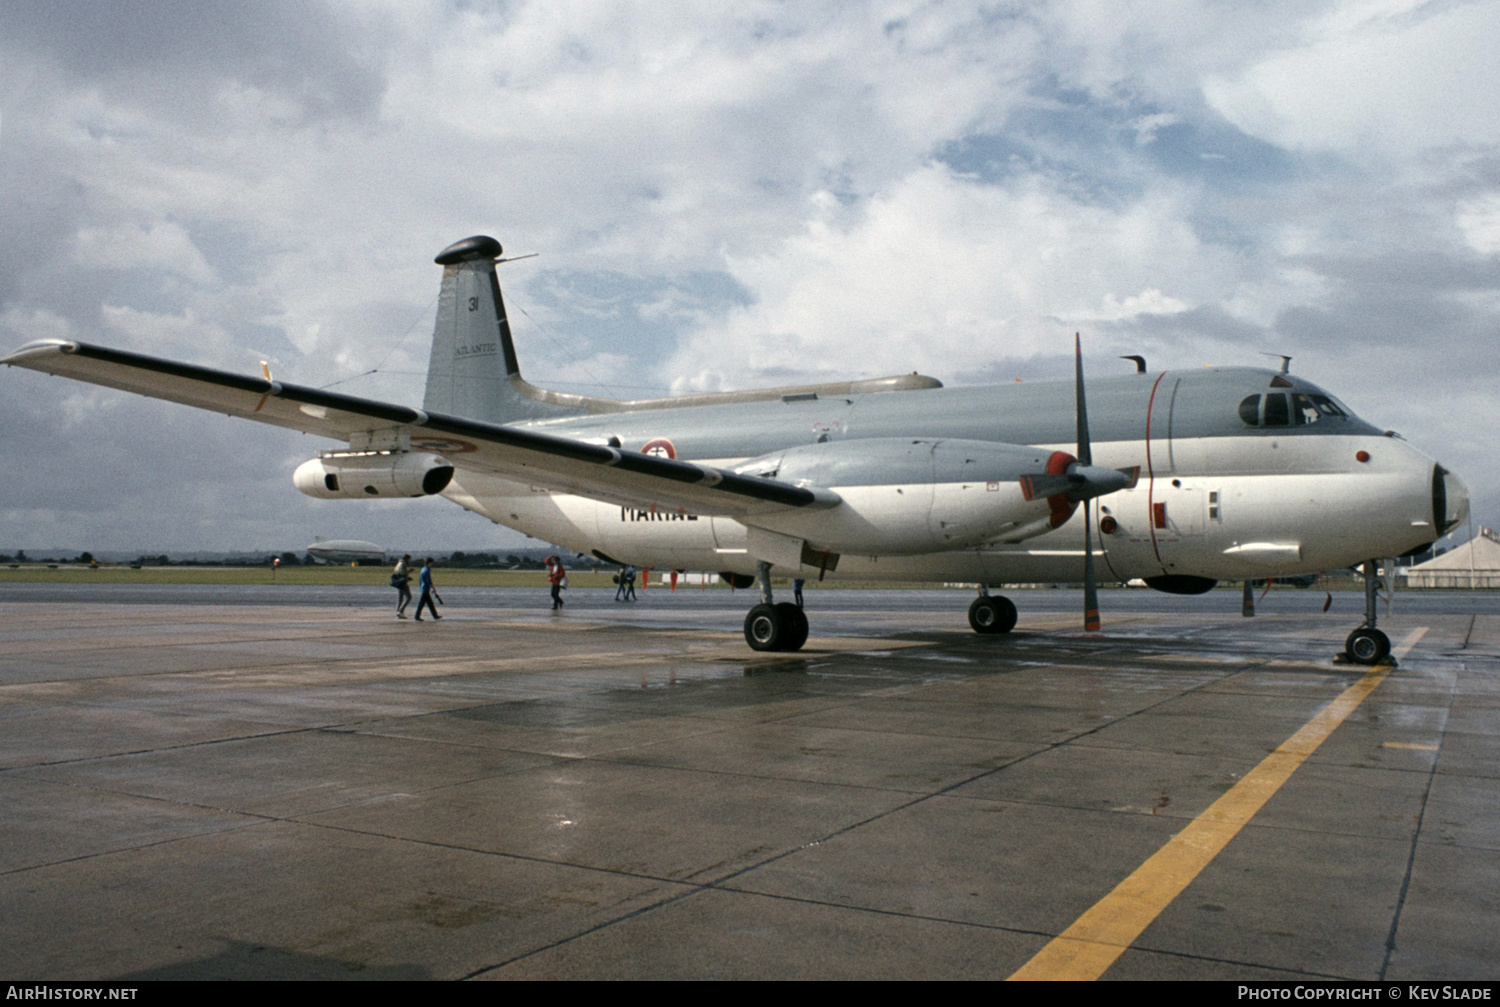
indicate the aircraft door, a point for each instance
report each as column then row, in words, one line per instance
column 1177, row 511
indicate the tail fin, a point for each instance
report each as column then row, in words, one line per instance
column 473, row 371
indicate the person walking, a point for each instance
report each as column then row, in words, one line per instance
column 558, row 578
column 797, row 590
column 629, row 583
column 428, row 591
column 401, row 581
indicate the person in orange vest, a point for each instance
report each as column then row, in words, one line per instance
column 559, row 580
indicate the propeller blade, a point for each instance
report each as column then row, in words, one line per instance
column 1089, row 482
column 1041, row 486
column 1085, row 455
column 1090, row 584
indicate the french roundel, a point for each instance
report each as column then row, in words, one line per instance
column 659, row 446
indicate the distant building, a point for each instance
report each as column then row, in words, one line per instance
column 1475, row 564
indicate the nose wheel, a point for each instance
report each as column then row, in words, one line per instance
column 1367, row 645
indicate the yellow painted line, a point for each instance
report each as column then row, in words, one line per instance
column 1409, row 744
column 1100, row 935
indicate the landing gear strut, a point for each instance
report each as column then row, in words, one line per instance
column 990, row 613
column 1368, row 645
column 772, row 626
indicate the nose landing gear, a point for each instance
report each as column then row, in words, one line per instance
column 1368, row 645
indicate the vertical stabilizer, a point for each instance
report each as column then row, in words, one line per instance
column 473, row 371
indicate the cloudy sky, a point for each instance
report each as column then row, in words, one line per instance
column 722, row 196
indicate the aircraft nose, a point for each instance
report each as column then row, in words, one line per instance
column 1450, row 500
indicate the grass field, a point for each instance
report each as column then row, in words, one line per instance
column 339, row 576
column 343, row 576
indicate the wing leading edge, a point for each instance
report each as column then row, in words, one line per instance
column 556, row 463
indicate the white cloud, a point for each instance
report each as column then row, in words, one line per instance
column 37, row 323
column 946, row 274
column 1388, row 78
column 1479, row 219
column 161, row 245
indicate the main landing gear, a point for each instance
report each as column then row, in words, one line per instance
column 1368, row 645
column 772, row 626
column 990, row 613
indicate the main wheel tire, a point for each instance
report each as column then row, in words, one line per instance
column 763, row 628
column 992, row 614
column 793, row 626
column 1367, row 646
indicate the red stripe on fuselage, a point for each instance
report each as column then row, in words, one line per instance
column 1151, row 472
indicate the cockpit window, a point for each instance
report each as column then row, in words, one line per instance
column 1250, row 411
column 1276, row 413
column 1328, row 407
column 1295, row 409
column 1303, row 411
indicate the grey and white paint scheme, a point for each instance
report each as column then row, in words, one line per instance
column 346, row 551
column 1199, row 475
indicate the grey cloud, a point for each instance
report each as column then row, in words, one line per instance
column 1095, row 148
column 170, row 48
column 133, row 474
column 639, row 318
column 1206, row 322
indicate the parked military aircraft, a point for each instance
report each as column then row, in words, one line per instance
column 346, row 551
column 1202, row 475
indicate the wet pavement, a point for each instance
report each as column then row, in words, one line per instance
column 234, row 786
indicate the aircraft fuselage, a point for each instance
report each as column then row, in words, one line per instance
column 1244, row 473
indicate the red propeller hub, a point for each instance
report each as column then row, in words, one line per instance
column 1062, row 507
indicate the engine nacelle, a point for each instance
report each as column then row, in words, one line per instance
column 905, row 496
column 362, row 476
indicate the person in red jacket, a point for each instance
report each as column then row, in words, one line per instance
column 559, row 580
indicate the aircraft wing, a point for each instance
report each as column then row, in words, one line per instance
column 539, row 459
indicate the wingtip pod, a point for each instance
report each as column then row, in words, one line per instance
column 479, row 248
column 25, row 356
